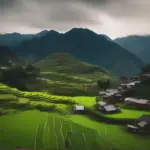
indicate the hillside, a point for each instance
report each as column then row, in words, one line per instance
column 6, row 55
column 66, row 63
column 86, row 46
column 66, row 75
column 138, row 45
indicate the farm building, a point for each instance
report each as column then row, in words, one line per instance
column 78, row 109
column 101, row 93
column 101, row 103
column 107, row 108
column 142, row 125
column 113, row 91
column 120, row 88
column 145, row 76
column 4, row 68
column 139, row 103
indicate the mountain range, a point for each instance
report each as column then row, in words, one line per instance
column 84, row 44
column 138, row 45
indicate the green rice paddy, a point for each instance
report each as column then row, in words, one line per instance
column 39, row 130
column 33, row 129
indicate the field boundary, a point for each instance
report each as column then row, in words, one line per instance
column 61, row 130
column 55, row 133
column 85, row 141
column 36, row 137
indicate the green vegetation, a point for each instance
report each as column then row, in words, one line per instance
column 28, row 128
column 43, row 117
column 63, row 74
column 19, row 77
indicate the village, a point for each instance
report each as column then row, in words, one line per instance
column 107, row 102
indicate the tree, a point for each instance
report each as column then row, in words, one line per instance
column 18, row 77
column 145, row 69
column 104, row 84
column 32, row 71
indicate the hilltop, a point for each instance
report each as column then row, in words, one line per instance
column 66, row 63
column 64, row 74
column 87, row 46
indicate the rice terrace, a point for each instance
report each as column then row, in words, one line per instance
column 78, row 90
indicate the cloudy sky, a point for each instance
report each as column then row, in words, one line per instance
column 114, row 18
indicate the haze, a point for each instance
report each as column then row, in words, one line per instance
column 115, row 18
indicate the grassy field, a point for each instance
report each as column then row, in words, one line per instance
column 44, row 131
column 46, row 102
column 24, row 125
column 34, row 129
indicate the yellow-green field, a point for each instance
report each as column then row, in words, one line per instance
column 25, row 124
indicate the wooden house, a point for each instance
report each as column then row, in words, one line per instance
column 139, row 103
column 78, row 109
column 107, row 108
column 141, row 125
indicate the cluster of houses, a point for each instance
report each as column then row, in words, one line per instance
column 117, row 95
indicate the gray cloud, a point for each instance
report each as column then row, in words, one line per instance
column 103, row 16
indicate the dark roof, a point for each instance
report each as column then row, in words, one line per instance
column 144, row 118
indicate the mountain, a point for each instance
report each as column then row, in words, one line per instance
column 7, row 56
column 87, row 46
column 107, row 37
column 13, row 39
column 138, row 45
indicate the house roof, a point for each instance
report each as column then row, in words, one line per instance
column 145, row 118
column 102, row 93
column 112, row 90
column 110, row 107
column 137, row 82
column 132, row 126
column 138, row 101
column 101, row 103
column 142, row 123
column 79, row 107
column 146, row 75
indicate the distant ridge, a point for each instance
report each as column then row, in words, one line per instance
column 138, row 45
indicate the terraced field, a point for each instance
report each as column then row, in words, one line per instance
column 45, row 131
column 39, row 130
column 34, row 129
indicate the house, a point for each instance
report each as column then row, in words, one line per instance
column 120, row 88
column 107, row 108
column 141, row 125
column 139, row 103
column 101, row 103
column 78, row 109
column 4, row 68
column 114, row 91
column 102, row 93
column 132, row 128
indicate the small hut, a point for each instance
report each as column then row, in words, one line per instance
column 141, row 125
column 79, row 109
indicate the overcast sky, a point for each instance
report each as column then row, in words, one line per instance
column 115, row 18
